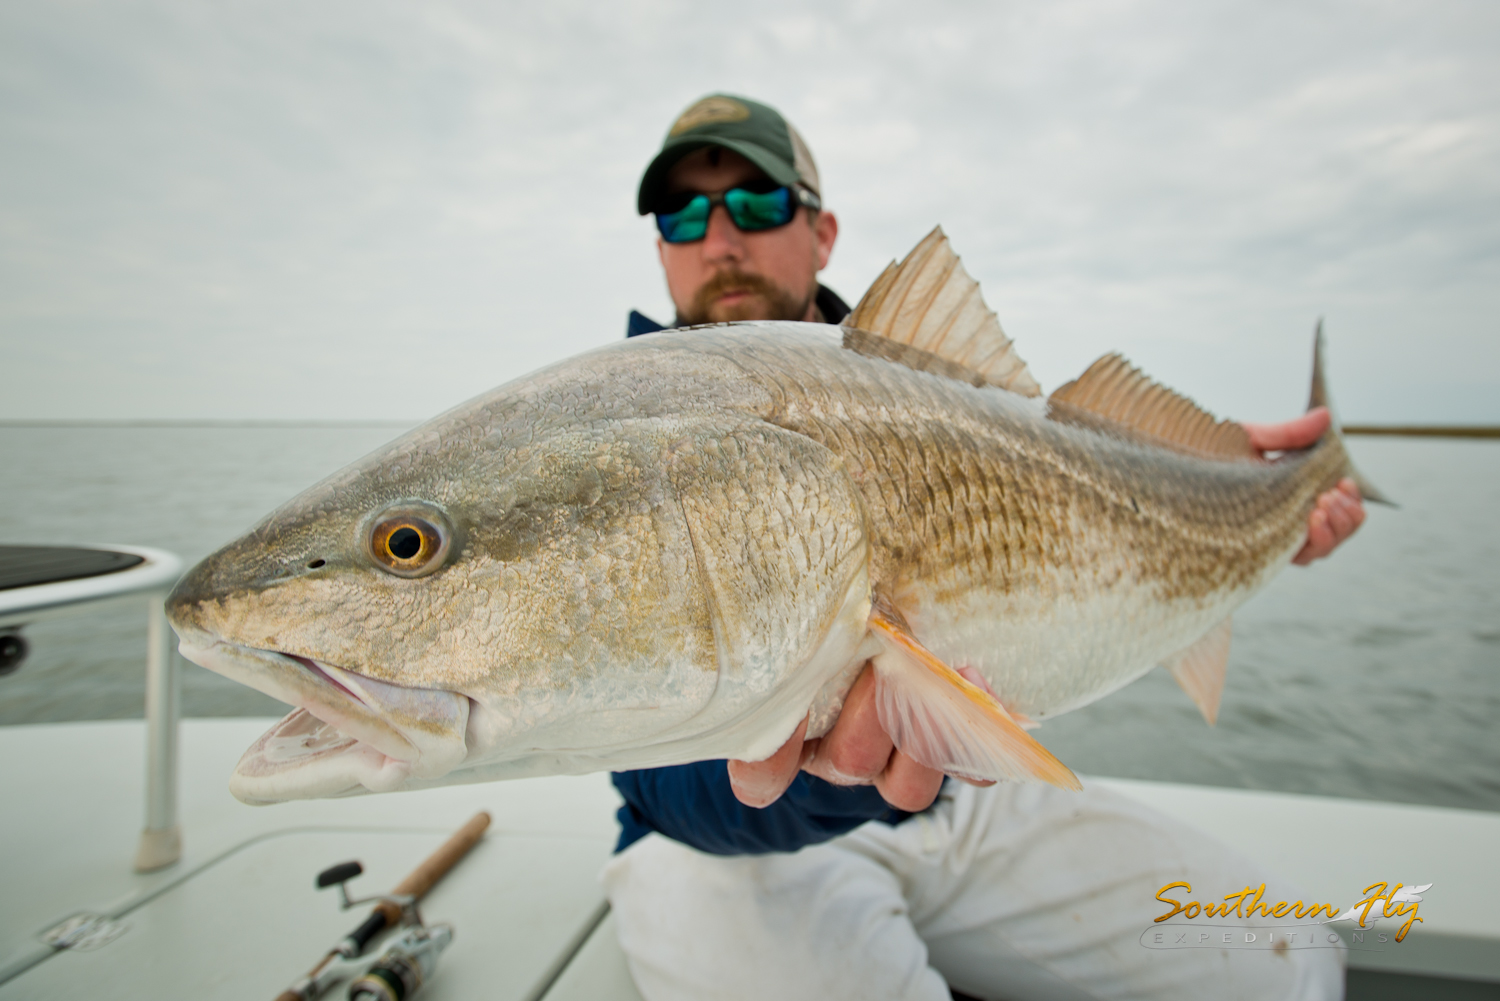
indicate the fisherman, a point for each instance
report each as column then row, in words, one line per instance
column 839, row 867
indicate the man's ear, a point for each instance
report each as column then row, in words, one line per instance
column 825, row 232
column 661, row 255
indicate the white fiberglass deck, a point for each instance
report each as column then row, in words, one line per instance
column 238, row 917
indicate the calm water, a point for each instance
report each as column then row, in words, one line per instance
column 1373, row 675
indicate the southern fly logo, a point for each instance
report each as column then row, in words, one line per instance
column 1291, row 925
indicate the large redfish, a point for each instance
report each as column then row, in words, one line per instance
column 678, row 547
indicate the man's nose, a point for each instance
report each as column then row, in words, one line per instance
column 723, row 240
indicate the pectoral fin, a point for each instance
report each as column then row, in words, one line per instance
column 1200, row 670
column 940, row 720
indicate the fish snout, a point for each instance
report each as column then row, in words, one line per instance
column 240, row 569
column 193, row 591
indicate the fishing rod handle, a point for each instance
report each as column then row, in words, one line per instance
column 439, row 862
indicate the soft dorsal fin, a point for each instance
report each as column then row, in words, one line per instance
column 930, row 303
column 1114, row 389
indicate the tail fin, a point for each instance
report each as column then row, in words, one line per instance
column 1319, row 398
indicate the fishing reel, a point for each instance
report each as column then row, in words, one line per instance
column 403, row 966
column 409, row 959
column 406, row 962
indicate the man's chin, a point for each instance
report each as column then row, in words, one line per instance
column 740, row 308
column 732, row 298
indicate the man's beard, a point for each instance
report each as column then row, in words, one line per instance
column 764, row 301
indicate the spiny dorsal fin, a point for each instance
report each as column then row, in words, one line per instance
column 1114, row 389
column 875, row 346
column 929, row 302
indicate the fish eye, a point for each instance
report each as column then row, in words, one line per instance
column 410, row 541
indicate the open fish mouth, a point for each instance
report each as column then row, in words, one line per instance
column 349, row 733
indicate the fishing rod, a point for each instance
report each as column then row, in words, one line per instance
column 409, row 959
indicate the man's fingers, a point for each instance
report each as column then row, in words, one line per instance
column 1338, row 514
column 1344, row 516
column 907, row 785
column 761, row 783
column 1298, row 433
column 857, row 749
column 1319, row 538
column 1339, row 511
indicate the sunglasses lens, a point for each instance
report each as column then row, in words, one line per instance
column 687, row 224
column 750, row 210
column 754, row 210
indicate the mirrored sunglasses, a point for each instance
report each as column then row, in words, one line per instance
column 751, row 211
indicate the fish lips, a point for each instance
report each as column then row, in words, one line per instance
column 350, row 733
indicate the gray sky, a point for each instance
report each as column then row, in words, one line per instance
column 364, row 209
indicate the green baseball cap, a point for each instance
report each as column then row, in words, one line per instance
column 755, row 131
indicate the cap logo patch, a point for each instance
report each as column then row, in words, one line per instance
column 710, row 111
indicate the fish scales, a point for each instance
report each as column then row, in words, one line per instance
column 1079, row 513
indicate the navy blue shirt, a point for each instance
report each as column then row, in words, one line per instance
column 695, row 804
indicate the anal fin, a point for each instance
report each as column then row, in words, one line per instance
column 1200, row 669
column 941, row 720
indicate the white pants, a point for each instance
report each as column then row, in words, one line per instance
column 1014, row 892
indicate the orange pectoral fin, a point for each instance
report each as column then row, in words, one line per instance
column 941, row 720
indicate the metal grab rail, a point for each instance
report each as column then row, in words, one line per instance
column 161, row 836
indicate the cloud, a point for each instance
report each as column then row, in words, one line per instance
column 375, row 210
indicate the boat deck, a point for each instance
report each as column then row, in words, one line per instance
column 238, row 916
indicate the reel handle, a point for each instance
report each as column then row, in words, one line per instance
column 341, row 873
